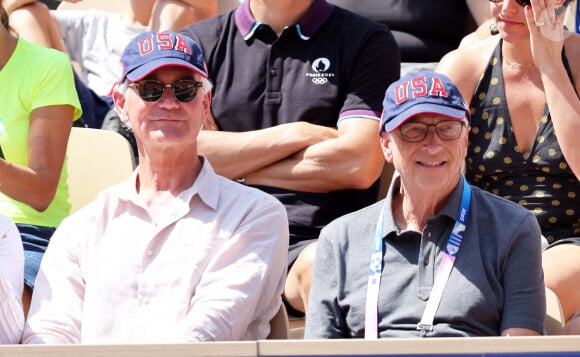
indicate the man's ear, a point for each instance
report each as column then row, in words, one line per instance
column 207, row 103
column 385, row 140
column 119, row 100
column 465, row 142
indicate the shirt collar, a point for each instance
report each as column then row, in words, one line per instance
column 315, row 17
column 206, row 185
column 450, row 208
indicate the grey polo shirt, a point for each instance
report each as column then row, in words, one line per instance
column 496, row 283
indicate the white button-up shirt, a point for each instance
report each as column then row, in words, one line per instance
column 212, row 269
column 11, row 282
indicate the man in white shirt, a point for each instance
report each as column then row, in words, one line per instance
column 176, row 253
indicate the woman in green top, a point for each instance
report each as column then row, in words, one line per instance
column 38, row 104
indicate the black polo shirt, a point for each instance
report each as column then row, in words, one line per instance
column 425, row 30
column 332, row 65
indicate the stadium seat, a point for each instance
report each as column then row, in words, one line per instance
column 97, row 159
column 279, row 328
column 554, row 315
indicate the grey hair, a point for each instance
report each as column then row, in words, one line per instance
column 122, row 87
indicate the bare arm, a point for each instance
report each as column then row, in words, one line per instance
column 561, row 96
column 176, row 14
column 353, row 160
column 479, row 10
column 465, row 65
column 483, row 31
column 11, row 5
column 36, row 184
column 32, row 21
column 202, row 8
column 237, row 154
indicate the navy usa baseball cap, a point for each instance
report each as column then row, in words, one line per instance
column 151, row 50
column 424, row 92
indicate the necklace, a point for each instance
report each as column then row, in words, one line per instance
column 516, row 65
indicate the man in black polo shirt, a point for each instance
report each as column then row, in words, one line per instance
column 298, row 86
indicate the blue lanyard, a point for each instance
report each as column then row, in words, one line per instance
column 451, row 250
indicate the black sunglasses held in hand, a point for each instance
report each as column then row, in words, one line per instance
column 150, row 90
column 521, row 2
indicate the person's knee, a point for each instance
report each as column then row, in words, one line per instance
column 572, row 327
column 304, row 263
column 561, row 264
column 299, row 278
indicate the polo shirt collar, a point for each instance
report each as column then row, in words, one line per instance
column 449, row 209
column 315, row 17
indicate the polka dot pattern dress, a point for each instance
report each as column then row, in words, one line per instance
column 543, row 182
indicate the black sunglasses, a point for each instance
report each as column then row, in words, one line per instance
column 521, row 2
column 150, row 90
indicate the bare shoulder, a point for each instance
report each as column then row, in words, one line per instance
column 466, row 64
column 483, row 31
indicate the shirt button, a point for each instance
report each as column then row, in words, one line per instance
column 273, row 72
column 146, row 300
column 149, row 253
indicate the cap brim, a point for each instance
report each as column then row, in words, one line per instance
column 425, row 108
column 155, row 64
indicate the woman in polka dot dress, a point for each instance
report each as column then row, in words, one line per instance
column 523, row 88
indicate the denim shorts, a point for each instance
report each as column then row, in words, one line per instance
column 35, row 240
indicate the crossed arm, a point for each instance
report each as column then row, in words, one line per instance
column 299, row 156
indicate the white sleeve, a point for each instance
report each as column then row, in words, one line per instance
column 226, row 304
column 56, row 307
column 72, row 31
column 11, row 282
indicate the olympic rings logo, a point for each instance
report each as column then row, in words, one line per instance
column 319, row 80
